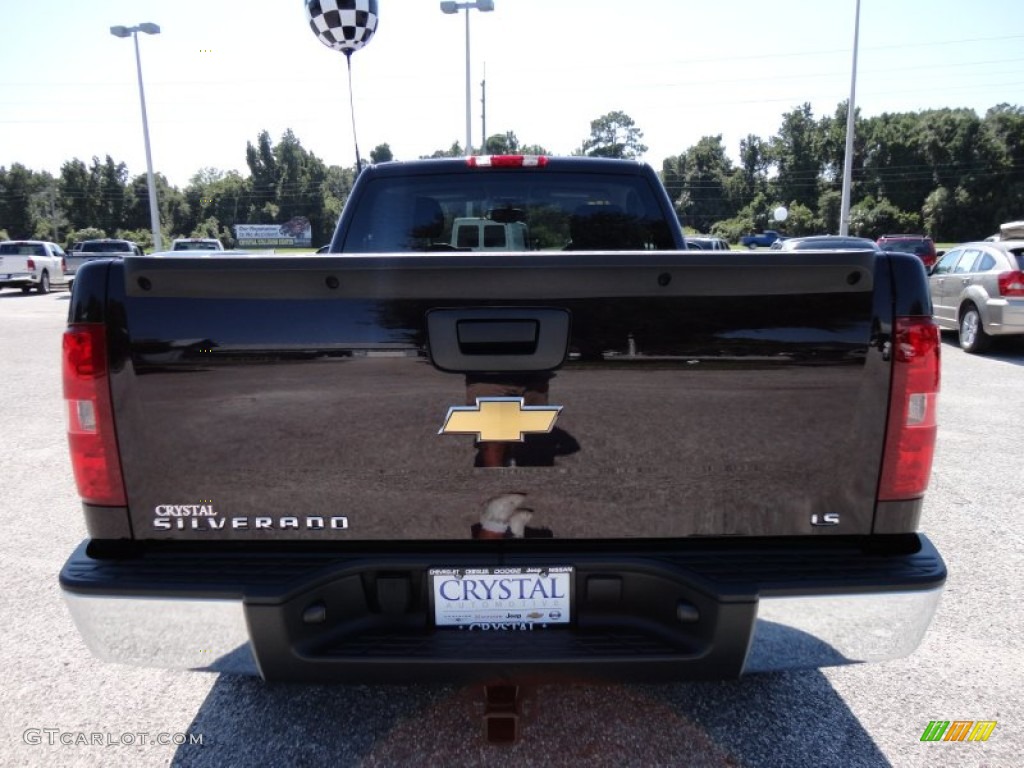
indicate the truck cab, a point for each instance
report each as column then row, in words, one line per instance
column 103, row 248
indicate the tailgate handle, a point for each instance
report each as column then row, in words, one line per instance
column 498, row 338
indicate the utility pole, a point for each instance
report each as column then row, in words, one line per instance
column 851, row 108
column 53, row 215
column 154, row 211
column 483, row 111
column 451, row 6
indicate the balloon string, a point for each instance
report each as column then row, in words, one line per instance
column 352, row 111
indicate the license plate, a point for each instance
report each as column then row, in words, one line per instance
column 502, row 598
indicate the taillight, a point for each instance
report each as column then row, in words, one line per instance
column 910, row 435
column 507, row 161
column 94, row 456
column 1011, row 283
column 30, row 265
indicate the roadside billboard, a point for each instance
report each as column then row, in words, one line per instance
column 296, row 233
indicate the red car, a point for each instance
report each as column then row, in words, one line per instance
column 919, row 245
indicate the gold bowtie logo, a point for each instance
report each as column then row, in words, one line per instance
column 500, row 419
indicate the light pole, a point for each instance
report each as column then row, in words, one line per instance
column 154, row 212
column 452, row 7
column 851, row 107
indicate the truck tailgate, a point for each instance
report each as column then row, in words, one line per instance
column 538, row 395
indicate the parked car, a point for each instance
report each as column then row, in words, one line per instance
column 29, row 264
column 827, row 242
column 1012, row 230
column 920, row 245
column 197, row 244
column 707, row 243
column 977, row 290
column 765, row 239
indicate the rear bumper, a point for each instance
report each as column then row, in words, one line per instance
column 1004, row 316
column 18, row 280
column 704, row 613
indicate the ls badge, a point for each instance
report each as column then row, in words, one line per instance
column 500, row 419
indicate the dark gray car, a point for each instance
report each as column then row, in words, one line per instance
column 826, row 242
column 978, row 290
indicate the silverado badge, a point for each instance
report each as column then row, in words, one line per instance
column 500, row 419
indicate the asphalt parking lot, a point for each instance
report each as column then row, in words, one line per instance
column 55, row 696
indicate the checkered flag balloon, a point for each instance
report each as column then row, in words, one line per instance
column 343, row 25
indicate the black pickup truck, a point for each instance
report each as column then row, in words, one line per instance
column 601, row 457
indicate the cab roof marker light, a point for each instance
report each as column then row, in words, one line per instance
column 507, row 161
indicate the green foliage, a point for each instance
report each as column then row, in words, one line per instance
column 733, row 229
column 141, row 237
column 940, row 212
column 832, row 143
column 213, row 194
column 614, row 135
column 455, row 150
column 895, row 166
column 262, row 167
column 548, row 228
column 86, row 233
column 287, row 182
column 508, row 144
column 501, row 144
column 207, row 228
column 673, row 178
column 269, row 214
column 829, row 210
column 17, row 187
column 336, row 188
column 44, row 230
column 796, row 153
column 752, row 175
column 945, row 172
column 800, row 221
column 534, row 149
column 381, row 154
column 872, row 219
column 698, row 182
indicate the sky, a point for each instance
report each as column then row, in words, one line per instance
column 220, row 72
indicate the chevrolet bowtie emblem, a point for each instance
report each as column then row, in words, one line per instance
column 500, row 419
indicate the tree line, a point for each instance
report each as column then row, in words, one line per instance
column 948, row 172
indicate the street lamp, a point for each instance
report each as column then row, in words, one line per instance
column 452, row 7
column 154, row 212
column 851, row 107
